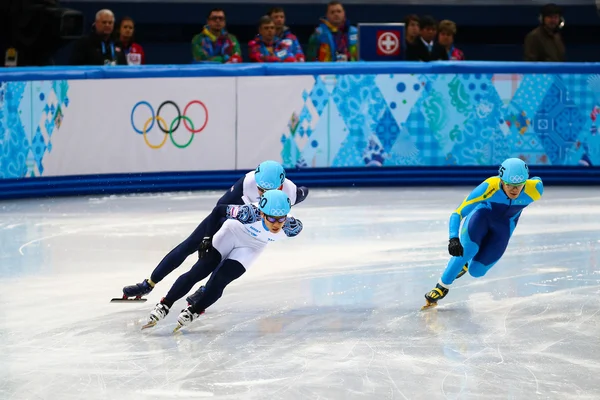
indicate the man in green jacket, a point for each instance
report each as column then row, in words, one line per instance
column 214, row 43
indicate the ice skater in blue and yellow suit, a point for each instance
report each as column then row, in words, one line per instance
column 489, row 216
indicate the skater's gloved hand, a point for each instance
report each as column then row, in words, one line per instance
column 205, row 246
column 455, row 248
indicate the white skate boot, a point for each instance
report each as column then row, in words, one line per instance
column 186, row 317
column 160, row 312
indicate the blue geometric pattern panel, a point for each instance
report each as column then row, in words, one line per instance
column 31, row 113
column 446, row 119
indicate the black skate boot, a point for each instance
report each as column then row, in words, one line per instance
column 437, row 293
column 463, row 271
column 194, row 298
column 139, row 289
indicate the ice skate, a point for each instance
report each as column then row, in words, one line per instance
column 463, row 271
column 160, row 312
column 193, row 299
column 136, row 291
column 437, row 293
column 186, row 317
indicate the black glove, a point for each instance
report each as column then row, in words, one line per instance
column 205, row 246
column 455, row 248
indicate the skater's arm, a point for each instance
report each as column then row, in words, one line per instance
column 297, row 194
column 482, row 192
column 214, row 221
column 514, row 221
column 246, row 214
column 301, row 194
column 234, row 194
column 292, row 227
column 534, row 188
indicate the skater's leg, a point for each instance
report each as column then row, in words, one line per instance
column 236, row 261
column 474, row 229
column 227, row 272
column 472, row 234
column 223, row 244
column 239, row 260
column 492, row 248
column 182, row 286
column 189, row 246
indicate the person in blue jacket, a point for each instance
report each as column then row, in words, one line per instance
column 489, row 216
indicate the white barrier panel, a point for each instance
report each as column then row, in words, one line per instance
column 265, row 108
column 145, row 125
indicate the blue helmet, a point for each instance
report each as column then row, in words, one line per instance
column 269, row 175
column 275, row 203
column 513, row 171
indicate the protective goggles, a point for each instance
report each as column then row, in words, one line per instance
column 513, row 186
column 275, row 219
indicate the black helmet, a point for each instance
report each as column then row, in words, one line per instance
column 550, row 9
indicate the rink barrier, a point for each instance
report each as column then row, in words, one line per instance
column 309, row 68
column 106, row 184
column 313, row 178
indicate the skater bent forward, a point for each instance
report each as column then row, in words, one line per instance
column 491, row 213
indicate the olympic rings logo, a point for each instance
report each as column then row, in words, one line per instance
column 517, row 179
column 169, row 128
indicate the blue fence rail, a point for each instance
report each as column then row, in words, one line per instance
column 313, row 178
column 309, row 68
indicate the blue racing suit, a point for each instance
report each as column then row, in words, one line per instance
column 490, row 217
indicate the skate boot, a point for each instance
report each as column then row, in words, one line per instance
column 463, row 271
column 437, row 293
column 186, row 317
column 138, row 290
column 160, row 312
column 193, row 299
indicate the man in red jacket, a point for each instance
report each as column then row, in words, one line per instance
column 283, row 33
column 266, row 48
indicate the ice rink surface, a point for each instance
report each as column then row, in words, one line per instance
column 331, row 314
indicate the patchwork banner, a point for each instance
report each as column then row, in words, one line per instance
column 106, row 126
column 422, row 120
column 50, row 128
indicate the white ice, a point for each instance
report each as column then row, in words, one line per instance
column 331, row 314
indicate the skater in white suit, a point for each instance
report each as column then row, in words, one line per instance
column 233, row 249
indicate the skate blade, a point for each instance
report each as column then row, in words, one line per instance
column 125, row 300
column 177, row 328
column 428, row 306
column 149, row 325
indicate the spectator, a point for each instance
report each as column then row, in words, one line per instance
column 265, row 47
column 446, row 33
column 412, row 23
column 426, row 49
column 335, row 39
column 545, row 43
column 98, row 48
column 214, row 43
column 282, row 32
column 134, row 54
